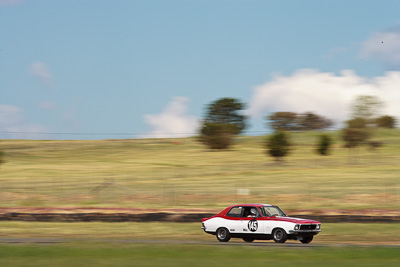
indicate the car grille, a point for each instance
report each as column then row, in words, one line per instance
column 308, row 227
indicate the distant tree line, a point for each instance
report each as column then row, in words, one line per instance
column 224, row 119
column 290, row 121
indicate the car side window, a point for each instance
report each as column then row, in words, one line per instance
column 251, row 212
column 235, row 212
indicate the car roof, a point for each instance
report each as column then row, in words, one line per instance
column 252, row 204
column 223, row 212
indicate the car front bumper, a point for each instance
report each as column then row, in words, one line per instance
column 303, row 231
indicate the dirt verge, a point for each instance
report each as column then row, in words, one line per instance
column 171, row 217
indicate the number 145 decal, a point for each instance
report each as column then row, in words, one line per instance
column 252, row 225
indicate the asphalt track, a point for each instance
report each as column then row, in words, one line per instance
column 184, row 242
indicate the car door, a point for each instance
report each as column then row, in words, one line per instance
column 266, row 223
column 249, row 225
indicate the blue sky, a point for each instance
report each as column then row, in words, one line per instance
column 93, row 69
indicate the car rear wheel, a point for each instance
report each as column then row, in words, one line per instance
column 223, row 235
column 248, row 239
column 279, row 235
column 306, row 239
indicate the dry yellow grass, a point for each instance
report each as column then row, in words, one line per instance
column 169, row 173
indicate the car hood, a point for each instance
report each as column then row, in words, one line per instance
column 295, row 220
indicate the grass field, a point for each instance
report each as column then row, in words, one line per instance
column 92, row 254
column 158, row 244
column 166, row 173
column 332, row 233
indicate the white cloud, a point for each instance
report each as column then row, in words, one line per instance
column 327, row 94
column 14, row 124
column 41, row 71
column 172, row 122
column 383, row 46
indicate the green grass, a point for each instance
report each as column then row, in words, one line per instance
column 332, row 233
column 165, row 173
column 92, row 254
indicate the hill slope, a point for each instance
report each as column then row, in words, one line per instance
column 167, row 173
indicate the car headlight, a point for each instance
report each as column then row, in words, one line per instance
column 296, row 227
column 318, row 227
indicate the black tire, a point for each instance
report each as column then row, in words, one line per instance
column 248, row 239
column 223, row 235
column 279, row 235
column 306, row 239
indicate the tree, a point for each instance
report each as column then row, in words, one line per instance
column 324, row 144
column 360, row 127
column 310, row 121
column 284, row 121
column 216, row 136
column 354, row 137
column 291, row 121
column 278, row 145
column 222, row 122
column 358, row 130
column 226, row 111
column 386, row 121
column 366, row 107
column 357, row 123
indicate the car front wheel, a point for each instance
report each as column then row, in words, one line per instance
column 223, row 235
column 306, row 239
column 279, row 235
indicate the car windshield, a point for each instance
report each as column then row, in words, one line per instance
column 268, row 211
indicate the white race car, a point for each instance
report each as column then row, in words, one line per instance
column 261, row 222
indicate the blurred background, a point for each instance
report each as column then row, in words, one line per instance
column 137, row 107
column 169, row 173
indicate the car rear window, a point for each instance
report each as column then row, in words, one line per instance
column 235, row 212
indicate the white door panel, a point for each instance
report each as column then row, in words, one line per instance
column 250, row 226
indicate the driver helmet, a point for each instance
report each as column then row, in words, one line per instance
column 253, row 211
